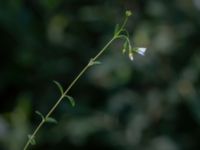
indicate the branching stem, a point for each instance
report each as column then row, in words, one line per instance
column 117, row 35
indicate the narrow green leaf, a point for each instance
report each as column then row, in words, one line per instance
column 32, row 139
column 92, row 62
column 59, row 86
column 40, row 114
column 71, row 100
column 51, row 120
column 116, row 29
column 96, row 63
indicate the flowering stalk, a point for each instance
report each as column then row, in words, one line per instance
column 120, row 32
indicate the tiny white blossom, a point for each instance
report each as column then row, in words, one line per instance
column 141, row 50
column 131, row 56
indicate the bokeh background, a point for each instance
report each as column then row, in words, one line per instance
column 152, row 103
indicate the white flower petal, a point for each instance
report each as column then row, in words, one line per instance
column 141, row 50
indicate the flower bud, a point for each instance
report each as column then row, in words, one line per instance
column 128, row 13
column 131, row 56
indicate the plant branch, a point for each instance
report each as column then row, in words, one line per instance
column 116, row 36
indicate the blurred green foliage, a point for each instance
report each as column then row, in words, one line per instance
column 152, row 103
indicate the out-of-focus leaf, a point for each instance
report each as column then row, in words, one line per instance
column 32, row 139
column 40, row 114
column 71, row 100
column 59, row 86
column 51, row 120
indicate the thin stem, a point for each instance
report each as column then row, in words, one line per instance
column 122, row 27
column 127, row 39
column 116, row 36
column 79, row 75
column 65, row 92
column 34, row 133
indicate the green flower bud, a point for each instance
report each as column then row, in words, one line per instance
column 128, row 13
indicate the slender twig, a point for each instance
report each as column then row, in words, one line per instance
column 115, row 36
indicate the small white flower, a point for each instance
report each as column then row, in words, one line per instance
column 131, row 56
column 141, row 50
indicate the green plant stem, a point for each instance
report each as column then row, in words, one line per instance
column 126, row 38
column 116, row 36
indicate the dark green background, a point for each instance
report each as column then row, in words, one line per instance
column 152, row 103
